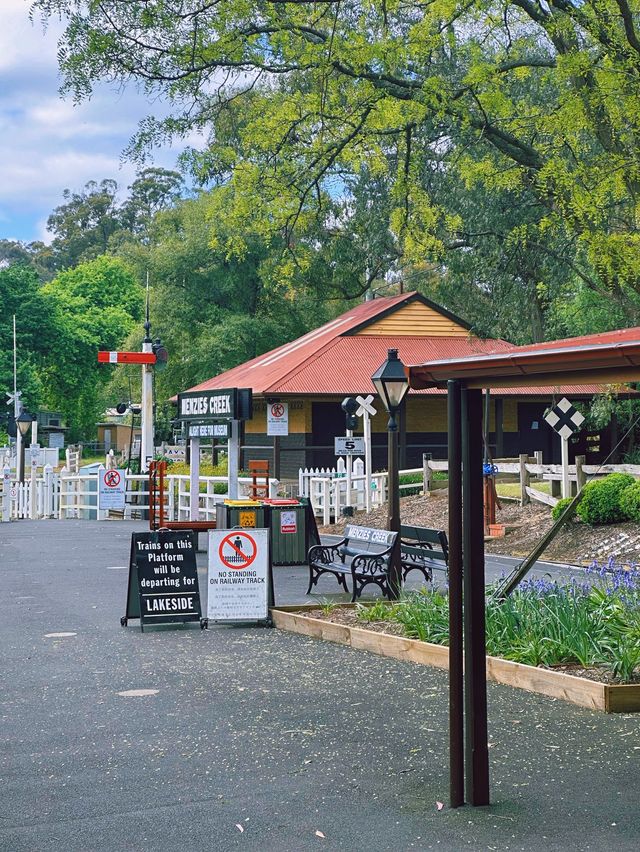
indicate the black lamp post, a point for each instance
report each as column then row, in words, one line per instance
column 23, row 423
column 391, row 383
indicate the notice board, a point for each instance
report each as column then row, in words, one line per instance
column 239, row 582
column 163, row 578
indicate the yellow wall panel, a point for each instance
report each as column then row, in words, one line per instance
column 415, row 320
column 299, row 417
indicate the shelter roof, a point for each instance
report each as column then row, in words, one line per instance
column 340, row 356
column 610, row 357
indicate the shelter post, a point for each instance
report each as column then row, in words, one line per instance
column 475, row 670
column 456, row 686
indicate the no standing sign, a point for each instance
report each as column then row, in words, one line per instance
column 238, row 582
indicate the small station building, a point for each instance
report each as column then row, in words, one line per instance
column 314, row 373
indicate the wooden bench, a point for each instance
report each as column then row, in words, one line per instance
column 423, row 550
column 363, row 554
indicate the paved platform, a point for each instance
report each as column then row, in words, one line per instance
column 281, row 735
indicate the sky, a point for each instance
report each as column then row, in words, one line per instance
column 48, row 144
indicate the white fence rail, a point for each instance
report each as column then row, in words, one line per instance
column 63, row 495
column 331, row 490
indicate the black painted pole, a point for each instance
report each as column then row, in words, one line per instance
column 456, row 686
column 475, row 670
column 393, row 503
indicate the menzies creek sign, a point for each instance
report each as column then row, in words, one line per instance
column 206, row 406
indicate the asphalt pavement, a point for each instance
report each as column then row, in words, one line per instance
column 241, row 737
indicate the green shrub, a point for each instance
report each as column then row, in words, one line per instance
column 600, row 503
column 560, row 506
column 630, row 502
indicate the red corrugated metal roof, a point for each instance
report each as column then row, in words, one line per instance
column 332, row 360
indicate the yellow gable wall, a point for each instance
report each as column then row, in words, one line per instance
column 415, row 320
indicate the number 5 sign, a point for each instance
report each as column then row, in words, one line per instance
column 277, row 418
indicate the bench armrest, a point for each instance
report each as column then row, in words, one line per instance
column 325, row 553
column 371, row 563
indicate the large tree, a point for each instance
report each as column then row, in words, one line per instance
column 515, row 96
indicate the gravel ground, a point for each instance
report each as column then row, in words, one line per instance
column 576, row 543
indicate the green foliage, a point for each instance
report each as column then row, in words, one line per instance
column 378, row 611
column 37, row 333
column 501, row 139
column 630, row 502
column 545, row 623
column 600, row 502
column 95, row 306
column 560, row 506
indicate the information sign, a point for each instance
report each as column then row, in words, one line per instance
column 278, row 418
column 56, row 440
column 247, row 518
column 239, row 577
column 112, row 490
column 288, row 523
column 209, row 430
column 163, row 579
column 349, row 446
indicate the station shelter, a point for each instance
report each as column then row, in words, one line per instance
column 314, row 373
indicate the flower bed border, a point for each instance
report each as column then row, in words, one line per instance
column 609, row 698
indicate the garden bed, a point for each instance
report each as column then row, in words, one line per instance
column 336, row 625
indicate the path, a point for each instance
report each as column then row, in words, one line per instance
column 279, row 734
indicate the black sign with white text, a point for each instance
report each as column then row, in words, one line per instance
column 163, row 578
column 206, row 406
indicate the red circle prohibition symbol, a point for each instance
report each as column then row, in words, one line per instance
column 243, row 550
column 112, row 478
column 277, row 410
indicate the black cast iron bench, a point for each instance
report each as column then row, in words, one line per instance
column 423, row 550
column 363, row 554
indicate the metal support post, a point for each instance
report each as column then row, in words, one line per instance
column 475, row 673
column 393, row 519
column 566, row 482
column 366, row 424
column 456, row 684
column 146, row 439
column 194, row 480
column 233, row 448
column 6, row 493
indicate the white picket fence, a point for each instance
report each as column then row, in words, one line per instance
column 328, row 489
column 63, row 495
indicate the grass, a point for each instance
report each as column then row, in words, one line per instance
column 543, row 623
column 512, row 489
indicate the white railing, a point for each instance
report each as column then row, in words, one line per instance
column 65, row 496
column 331, row 490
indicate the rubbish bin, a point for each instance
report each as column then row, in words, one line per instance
column 288, row 531
column 241, row 513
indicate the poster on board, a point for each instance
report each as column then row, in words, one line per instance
column 239, row 577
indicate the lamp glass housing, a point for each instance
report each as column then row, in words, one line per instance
column 23, row 422
column 390, row 381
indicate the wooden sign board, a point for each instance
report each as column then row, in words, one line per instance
column 163, row 579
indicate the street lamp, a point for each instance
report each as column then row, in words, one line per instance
column 391, row 383
column 23, row 423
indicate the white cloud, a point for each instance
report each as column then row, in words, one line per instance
column 48, row 144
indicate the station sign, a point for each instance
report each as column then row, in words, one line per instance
column 239, row 578
column 163, row 579
column 205, row 406
column 349, row 446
